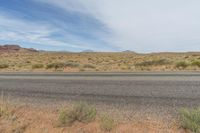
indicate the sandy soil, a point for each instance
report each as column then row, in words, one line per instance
column 98, row 62
column 28, row 119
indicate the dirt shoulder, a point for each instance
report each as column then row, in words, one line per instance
column 35, row 119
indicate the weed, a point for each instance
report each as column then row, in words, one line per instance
column 196, row 63
column 65, row 118
column 107, row 123
column 81, row 112
column 3, row 66
column 182, row 64
column 4, row 112
column 190, row 119
column 89, row 66
column 55, row 65
column 84, row 112
column 37, row 66
column 153, row 62
column 71, row 64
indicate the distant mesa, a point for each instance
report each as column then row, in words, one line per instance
column 129, row 51
column 15, row 48
column 87, row 51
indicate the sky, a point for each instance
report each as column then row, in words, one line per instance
column 102, row 25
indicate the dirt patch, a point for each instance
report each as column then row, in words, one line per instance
column 28, row 119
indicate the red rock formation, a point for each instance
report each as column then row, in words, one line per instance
column 15, row 48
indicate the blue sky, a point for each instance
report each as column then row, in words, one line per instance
column 101, row 25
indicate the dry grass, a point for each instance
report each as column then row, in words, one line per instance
column 37, row 66
column 190, row 119
column 29, row 119
column 107, row 123
column 81, row 112
column 3, row 66
column 182, row 64
column 105, row 62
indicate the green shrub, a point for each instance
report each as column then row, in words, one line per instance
column 55, row 65
column 196, row 63
column 49, row 66
column 84, row 112
column 72, row 64
column 107, row 123
column 153, row 62
column 58, row 65
column 190, row 119
column 81, row 112
column 3, row 66
column 182, row 64
column 66, row 118
column 37, row 66
column 89, row 66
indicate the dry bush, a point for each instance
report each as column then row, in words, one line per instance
column 190, row 119
column 55, row 65
column 107, row 123
column 182, row 64
column 154, row 62
column 72, row 64
column 196, row 63
column 81, row 112
column 89, row 66
column 3, row 66
column 37, row 66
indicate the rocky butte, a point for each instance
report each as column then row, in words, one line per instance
column 15, row 48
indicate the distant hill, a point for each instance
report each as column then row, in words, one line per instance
column 129, row 51
column 15, row 48
column 88, row 50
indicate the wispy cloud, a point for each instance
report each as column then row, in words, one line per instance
column 51, row 26
column 103, row 25
column 14, row 29
column 144, row 25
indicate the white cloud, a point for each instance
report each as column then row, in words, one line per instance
column 20, row 30
column 144, row 25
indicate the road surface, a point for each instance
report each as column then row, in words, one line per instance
column 146, row 89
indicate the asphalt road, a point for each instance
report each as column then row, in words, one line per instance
column 141, row 89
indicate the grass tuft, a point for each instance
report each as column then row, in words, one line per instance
column 107, row 123
column 3, row 66
column 4, row 112
column 89, row 66
column 72, row 64
column 182, row 64
column 37, row 66
column 153, row 62
column 56, row 65
column 65, row 118
column 196, row 63
column 190, row 119
column 81, row 112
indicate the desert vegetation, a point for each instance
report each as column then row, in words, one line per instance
column 3, row 66
column 80, row 112
column 102, row 62
column 78, row 118
column 190, row 119
column 107, row 123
